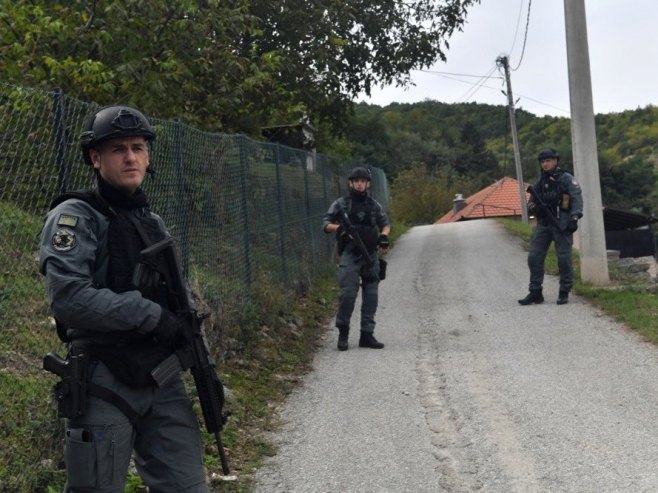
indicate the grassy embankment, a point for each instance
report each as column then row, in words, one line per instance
column 266, row 355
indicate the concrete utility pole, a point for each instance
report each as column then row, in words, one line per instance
column 502, row 60
column 593, row 255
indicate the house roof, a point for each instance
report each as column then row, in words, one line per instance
column 497, row 200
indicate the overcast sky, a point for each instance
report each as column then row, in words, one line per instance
column 623, row 52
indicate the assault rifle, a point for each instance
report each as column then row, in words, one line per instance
column 344, row 221
column 195, row 355
column 544, row 208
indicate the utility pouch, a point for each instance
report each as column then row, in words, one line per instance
column 565, row 203
column 382, row 269
column 71, row 391
column 341, row 243
column 146, row 278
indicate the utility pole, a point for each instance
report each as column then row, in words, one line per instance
column 502, row 60
column 593, row 255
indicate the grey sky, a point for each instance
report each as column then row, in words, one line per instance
column 623, row 51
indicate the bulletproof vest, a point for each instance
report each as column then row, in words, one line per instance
column 132, row 356
column 362, row 213
column 549, row 189
column 125, row 242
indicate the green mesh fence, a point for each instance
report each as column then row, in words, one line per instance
column 244, row 214
column 238, row 208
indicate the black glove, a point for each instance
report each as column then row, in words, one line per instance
column 169, row 326
column 342, row 230
column 531, row 207
column 383, row 242
column 572, row 225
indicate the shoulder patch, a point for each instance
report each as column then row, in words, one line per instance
column 67, row 220
column 63, row 240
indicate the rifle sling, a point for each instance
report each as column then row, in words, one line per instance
column 115, row 399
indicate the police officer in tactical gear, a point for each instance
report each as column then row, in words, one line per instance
column 117, row 332
column 559, row 191
column 369, row 221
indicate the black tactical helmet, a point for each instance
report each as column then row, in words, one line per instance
column 359, row 172
column 111, row 122
column 548, row 154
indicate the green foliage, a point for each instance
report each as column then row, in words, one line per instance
column 420, row 196
column 175, row 59
column 471, row 142
column 231, row 66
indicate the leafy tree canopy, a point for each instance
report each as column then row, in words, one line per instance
column 231, row 65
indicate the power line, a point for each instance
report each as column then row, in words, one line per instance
column 451, row 73
column 476, row 87
column 525, row 36
column 516, row 30
column 446, row 75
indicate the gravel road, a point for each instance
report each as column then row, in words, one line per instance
column 473, row 392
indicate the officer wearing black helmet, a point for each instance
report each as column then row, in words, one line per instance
column 370, row 223
column 116, row 332
column 559, row 191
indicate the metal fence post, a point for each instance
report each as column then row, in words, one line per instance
column 282, row 245
column 60, row 144
column 245, row 210
column 182, row 214
column 325, row 197
column 307, row 206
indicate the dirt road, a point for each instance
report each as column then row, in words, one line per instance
column 473, row 392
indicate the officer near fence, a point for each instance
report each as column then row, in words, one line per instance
column 556, row 201
column 117, row 331
column 361, row 227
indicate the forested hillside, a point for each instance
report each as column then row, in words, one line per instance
column 432, row 150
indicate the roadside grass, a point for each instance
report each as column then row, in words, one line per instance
column 624, row 299
column 266, row 346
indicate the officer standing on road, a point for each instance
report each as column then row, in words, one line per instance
column 368, row 220
column 559, row 191
column 117, row 332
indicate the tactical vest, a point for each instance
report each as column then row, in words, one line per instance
column 363, row 214
column 132, row 356
column 550, row 191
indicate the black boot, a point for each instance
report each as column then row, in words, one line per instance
column 534, row 296
column 368, row 340
column 343, row 334
column 563, row 297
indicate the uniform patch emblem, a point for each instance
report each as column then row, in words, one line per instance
column 66, row 220
column 64, row 240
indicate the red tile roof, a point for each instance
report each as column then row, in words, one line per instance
column 497, row 200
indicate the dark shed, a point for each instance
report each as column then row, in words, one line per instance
column 629, row 232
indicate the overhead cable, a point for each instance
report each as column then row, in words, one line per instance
column 525, row 36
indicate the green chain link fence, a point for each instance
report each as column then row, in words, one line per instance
column 244, row 214
column 236, row 206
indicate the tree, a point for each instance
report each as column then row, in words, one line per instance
column 182, row 58
column 231, row 65
column 629, row 183
column 420, row 196
column 475, row 160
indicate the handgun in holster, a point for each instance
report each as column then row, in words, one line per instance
column 71, row 391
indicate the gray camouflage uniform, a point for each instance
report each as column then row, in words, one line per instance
column 560, row 191
column 166, row 438
column 351, row 269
